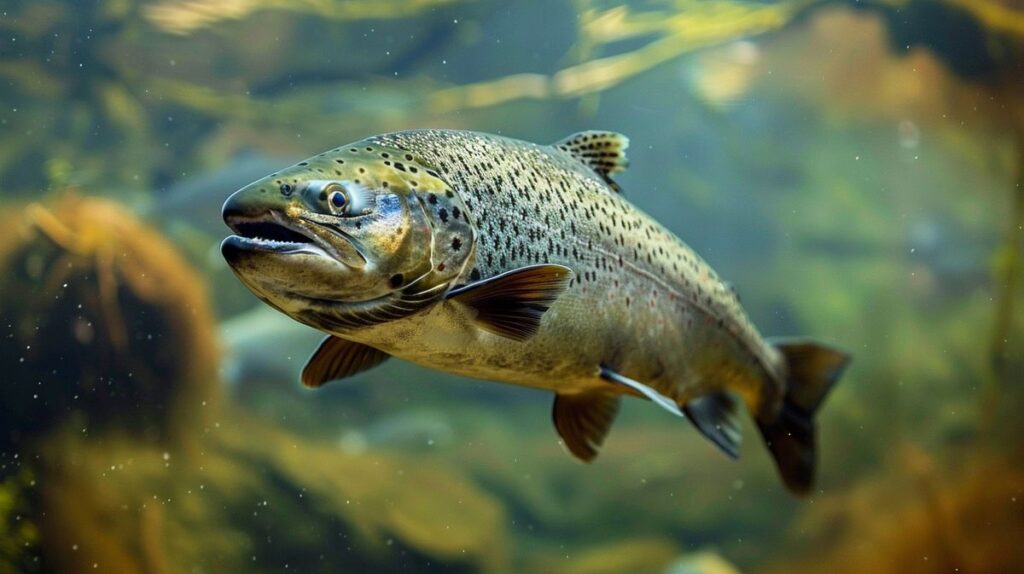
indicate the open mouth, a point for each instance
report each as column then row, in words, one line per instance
column 266, row 235
column 269, row 232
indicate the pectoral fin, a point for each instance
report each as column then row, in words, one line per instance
column 337, row 358
column 716, row 416
column 658, row 398
column 512, row 304
column 583, row 420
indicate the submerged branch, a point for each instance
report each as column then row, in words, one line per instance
column 186, row 16
column 1008, row 275
column 701, row 26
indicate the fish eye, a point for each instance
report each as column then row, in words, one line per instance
column 337, row 199
column 286, row 189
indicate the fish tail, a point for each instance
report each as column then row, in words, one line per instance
column 812, row 370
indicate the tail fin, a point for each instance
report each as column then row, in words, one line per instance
column 813, row 369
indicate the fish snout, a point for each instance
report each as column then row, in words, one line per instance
column 244, row 205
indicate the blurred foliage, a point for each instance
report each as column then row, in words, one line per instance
column 962, row 519
column 104, row 322
column 187, row 16
column 19, row 536
column 254, row 498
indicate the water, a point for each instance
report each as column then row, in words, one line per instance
column 852, row 170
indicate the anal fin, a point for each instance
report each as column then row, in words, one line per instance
column 583, row 420
column 716, row 416
column 513, row 303
column 337, row 358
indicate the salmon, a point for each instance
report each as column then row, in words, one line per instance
column 521, row 263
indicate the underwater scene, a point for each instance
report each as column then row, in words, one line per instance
column 826, row 376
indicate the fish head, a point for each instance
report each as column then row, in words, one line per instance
column 354, row 232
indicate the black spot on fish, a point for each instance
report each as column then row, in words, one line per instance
column 340, row 160
column 397, row 279
column 456, row 213
column 408, row 157
column 443, row 213
column 456, row 243
column 304, row 163
column 475, row 274
column 399, row 166
column 432, row 199
column 449, row 193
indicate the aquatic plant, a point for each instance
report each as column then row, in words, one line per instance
column 106, row 324
column 985, row 55
column 19, row 535
column 187, row 16
column 258, row 499
column 920, row 517
column 691, row 26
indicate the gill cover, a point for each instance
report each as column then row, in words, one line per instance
column 410, row 229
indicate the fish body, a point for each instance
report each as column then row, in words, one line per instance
column 521, row 263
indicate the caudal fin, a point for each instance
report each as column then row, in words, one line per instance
column 813, row 369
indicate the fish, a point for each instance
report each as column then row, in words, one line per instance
column 521, row 263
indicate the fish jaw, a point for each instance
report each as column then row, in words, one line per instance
column 282, row 260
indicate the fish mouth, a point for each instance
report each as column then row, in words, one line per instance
column 270, row 233
column 273, row 233
column 263, row 234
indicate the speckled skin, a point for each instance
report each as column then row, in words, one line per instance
column 640, row 302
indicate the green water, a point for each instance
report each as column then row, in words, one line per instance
column 853, row 169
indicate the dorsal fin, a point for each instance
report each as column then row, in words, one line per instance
column 603, row 152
